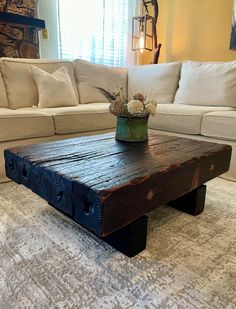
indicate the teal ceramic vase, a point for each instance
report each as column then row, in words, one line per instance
column 132, row 129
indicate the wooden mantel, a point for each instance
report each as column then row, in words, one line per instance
column 11, row 18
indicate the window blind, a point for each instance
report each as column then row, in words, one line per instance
column 96, row 30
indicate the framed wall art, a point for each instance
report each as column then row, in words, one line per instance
column 233, row 31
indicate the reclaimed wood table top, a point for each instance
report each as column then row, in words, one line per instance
column 104, row 184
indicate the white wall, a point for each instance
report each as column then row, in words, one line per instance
column 47, row 10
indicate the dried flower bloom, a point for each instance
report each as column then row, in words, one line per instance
column 139, row 97
column 135, row 107
column 150, row 109
column 117, row 107
column 150, row 101
column 139, row 106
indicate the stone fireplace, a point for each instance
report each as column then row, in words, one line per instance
column 18, row 40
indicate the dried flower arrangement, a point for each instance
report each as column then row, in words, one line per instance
column 139, row 106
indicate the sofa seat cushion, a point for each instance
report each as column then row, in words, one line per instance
column 181, row 118
column 81, row 118
column 207, row 83
column 20, row 85
column 157, row 81
column 220, row 125
column 21, row 124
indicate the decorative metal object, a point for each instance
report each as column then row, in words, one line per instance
column 132, row 129
column 144, row 30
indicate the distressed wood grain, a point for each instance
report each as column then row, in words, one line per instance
column 105, row 185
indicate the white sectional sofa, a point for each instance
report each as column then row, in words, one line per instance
column 195, row 100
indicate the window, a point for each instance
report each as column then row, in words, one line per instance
column 96, row 30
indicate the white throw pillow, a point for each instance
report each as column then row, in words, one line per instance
column 54, row 89
column 20, row 85
column 207, row 83
column 90, row 75
column 158, row 81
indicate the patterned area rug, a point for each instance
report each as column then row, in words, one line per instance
column 47, row 261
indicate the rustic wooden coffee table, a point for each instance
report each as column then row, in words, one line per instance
column 108, row 186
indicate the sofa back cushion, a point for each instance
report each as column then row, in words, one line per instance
column 3, row 94
column 20, row 85
column 207, row 83
column 157, row 81
column 90, row 75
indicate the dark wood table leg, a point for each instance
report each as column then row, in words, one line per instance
column 192, row 203
column 131, row 239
